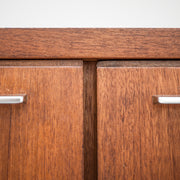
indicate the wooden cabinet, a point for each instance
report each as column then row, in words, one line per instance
column 42, row 138
column 137, row 139
column 89, row 112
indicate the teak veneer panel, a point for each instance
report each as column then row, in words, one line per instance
column 91, row 44
column 42, row 139
column 136, row 138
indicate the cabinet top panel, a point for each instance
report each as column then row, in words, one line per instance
column 90, row 43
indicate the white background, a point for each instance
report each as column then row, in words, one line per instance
column 90, row 13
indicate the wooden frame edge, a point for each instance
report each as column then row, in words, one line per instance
column 90, row 43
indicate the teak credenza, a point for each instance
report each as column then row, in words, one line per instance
column 89, row 104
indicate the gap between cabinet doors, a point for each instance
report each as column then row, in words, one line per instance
column 90, row 120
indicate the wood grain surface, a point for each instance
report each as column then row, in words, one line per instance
column 42, row 139
column 136, row 138
column 90, row 121
column 91, row 44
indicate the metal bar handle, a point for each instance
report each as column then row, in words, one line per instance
column 166, row 99
column 12, row 99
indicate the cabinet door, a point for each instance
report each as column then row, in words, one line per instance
column 42, row 138
column 136, row 138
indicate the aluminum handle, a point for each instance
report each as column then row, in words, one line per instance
column 12, row 99
column 166, row 99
